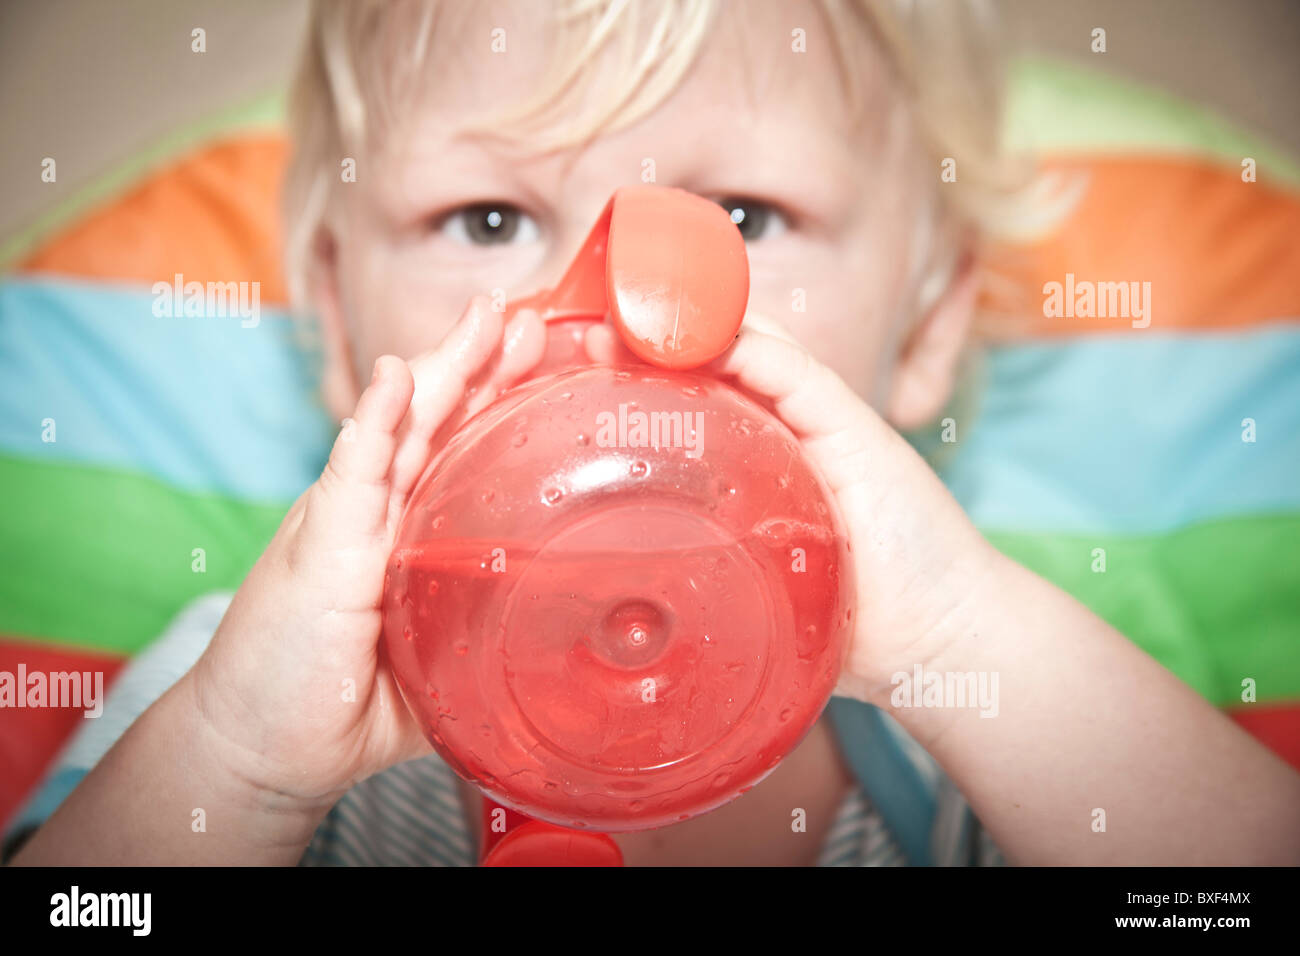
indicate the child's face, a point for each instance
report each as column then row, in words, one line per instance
column 832, row 200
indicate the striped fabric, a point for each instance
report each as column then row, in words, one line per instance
column 177, row 437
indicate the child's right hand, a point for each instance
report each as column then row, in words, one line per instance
column 292, row 685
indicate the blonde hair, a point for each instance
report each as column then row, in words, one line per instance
column 362, row 58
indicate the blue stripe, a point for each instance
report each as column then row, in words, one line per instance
column 1136, row 433
column 42, row 804
column 200, row 403
column 890, row 779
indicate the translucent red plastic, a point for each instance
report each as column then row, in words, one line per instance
column 619, row 595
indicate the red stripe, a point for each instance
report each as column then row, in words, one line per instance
column 1276, row 726
column 30, row 738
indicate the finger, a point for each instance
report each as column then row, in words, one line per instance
column 605, row 346
column 811, row 399
column 349, row 504
column 441, row 377
column 840, row 431
column 523, row 344
column 768, row 325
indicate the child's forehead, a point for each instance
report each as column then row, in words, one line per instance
column 752, row 63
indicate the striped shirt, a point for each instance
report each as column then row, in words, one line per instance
column 412, row 814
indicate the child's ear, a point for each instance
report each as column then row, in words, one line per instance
column 927, row 365
column 339, row 386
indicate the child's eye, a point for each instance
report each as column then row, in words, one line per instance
column 489, row 224
column 755, row 219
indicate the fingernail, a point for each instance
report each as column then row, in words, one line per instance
column 374, row 373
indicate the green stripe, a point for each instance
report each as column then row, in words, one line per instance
column 102, row 559
column 264, row 112
column 1215, row 602
column 1057, row 107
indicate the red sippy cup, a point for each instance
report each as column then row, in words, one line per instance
column 620, row 595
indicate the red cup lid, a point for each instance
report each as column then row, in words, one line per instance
column 668, row 266
column 542, row 844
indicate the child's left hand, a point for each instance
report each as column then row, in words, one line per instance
column 932, row 592
column 918, row 559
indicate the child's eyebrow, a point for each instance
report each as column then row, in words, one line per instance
column 782, row 155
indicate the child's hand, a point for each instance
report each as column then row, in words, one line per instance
column 292, row 683
column 918, row 558
column 1087, row 721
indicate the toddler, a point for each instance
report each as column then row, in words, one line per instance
column 452, row 152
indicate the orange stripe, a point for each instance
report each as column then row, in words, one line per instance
column 213, row 217
column 1219, row 253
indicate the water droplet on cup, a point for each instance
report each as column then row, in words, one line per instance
column 583, row 440
column 552, row 495
column 438, row 522
column 407, row 632
column 433, row 587
column 487, row 497
column 639, row 469
column 520, row 440
column 461, row 648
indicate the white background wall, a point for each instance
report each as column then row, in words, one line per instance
column 91, row 82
